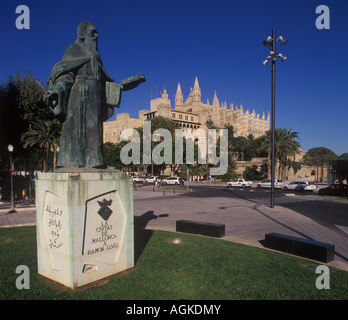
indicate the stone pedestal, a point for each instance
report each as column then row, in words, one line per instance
column 84, row 225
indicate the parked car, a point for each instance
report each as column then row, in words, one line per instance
column 151, row 179
column 300, row 186
column 136, row 179
column 173, row 180
column 267, row 183
column 335, row 190
column 244, row 183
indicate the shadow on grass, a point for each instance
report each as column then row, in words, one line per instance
column 141, row 235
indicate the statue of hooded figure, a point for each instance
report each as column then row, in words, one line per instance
column 78, row 97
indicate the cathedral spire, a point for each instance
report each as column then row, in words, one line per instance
column 178, row 90
column 216, row 102
column 196, row 85
column 179, row 98
column 196, row 91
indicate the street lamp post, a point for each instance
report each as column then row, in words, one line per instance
column 12, row 208
column 270, row 42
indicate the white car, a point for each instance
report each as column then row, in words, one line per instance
column 300, row 186
column 136, row 179
column 151, row 179
column 267, row 183
column 244, row 183
column 173, row 180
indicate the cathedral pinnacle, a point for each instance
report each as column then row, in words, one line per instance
column 196, row 91
column 164, row 94
column 196, row 85
column 216, row 102
column 179, row 98
column 178, row 90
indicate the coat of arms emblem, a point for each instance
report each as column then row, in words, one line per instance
column 104, row 211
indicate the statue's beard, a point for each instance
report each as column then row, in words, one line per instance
column 92, row 45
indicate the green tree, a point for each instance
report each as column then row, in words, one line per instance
column 319, row 157
column 240, row 146
column 156, row 123
column 44, row 134
column 251, row 173
column 258, row 143
column 21, row 103
column 111, row 152
column 195, row 168
column 294, row 165
column 163, row 123
column 11, row 124
column 30, row 99
column 210, row 124
column 230, row 129
column 251, row 149
column 231, row 169
column 285, row 145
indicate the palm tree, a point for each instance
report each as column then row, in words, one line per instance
column 288, row 147
column 240, row 145
column 230, row 129
column 285, row 145
column 210, row 124
column 45, row 134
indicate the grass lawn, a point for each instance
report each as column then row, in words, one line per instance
column 344, row 199
column 197, row 268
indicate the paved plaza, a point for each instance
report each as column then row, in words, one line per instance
column 245, row 221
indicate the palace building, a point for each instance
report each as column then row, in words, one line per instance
column 192, row 114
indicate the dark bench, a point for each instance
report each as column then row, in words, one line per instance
column 310, row 249
column 202, row 228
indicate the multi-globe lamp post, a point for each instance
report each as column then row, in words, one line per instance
column 270, row 42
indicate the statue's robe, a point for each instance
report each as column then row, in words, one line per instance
column 80, row 80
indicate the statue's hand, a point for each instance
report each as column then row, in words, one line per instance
column 52, row 98
column 54, row 105
column 132, row 82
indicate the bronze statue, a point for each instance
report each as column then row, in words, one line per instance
column 82, row 95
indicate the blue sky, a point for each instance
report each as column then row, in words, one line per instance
column 218, row 41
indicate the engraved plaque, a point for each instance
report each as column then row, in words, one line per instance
column 105, row 221
column 55, row 226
